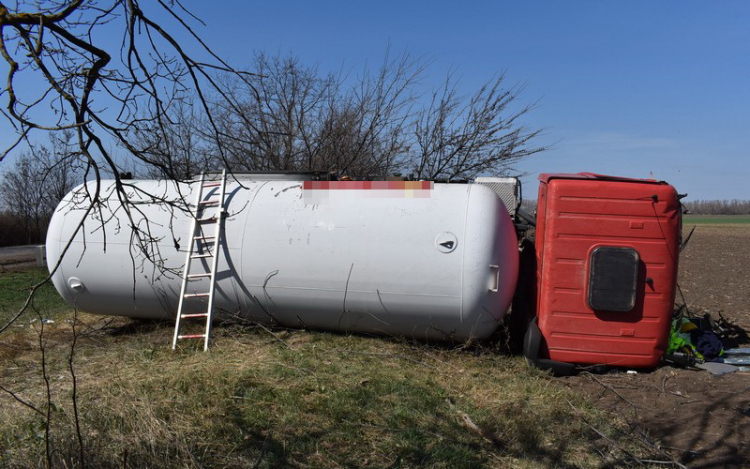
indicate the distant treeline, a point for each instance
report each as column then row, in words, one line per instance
column 718, row 207
column 16, row 230
column 529, row 205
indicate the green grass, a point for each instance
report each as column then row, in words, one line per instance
column 285, row 398
column 716, row 219
column 15, row 288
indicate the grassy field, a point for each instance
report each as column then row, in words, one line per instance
column 15, row 288
column 281, row 398
column 716, row 219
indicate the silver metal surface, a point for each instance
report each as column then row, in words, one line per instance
column 507, row 188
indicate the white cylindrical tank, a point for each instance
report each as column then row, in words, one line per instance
column 440, row 265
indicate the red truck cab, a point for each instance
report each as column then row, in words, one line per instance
column 607, row 255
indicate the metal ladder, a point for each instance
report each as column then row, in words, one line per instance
column 207, row 253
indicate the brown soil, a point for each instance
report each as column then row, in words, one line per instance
column 701, row 420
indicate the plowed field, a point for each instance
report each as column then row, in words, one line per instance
column 703, row 420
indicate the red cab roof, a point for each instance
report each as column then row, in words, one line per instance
column 545, row 177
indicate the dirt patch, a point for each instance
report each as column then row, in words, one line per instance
column 715, row 271
column 701, row 419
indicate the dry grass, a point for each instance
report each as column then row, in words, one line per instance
column 289, row 399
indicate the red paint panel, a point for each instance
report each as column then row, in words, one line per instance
column 577, row 214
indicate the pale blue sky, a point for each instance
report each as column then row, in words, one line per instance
column 637, row 89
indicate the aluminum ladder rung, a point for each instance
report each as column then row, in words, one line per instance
column 201, row 256
column 194, row 315
column 194, row 276
column 192, row 336
column 196, row 295
column 198, row 225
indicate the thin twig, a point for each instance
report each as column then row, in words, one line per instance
column 629, row 454
column 275, row 336
column 74, row 392
column 467, row 422
column 611, row 388
column 605, row 436
column 21, row 401
column 48, row 392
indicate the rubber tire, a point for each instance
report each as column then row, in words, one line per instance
column 531, row 343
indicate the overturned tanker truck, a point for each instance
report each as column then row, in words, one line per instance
column 410, row 258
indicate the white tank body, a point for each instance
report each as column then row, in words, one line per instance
column 437, row 266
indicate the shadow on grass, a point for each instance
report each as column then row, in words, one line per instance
column 139, row 326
